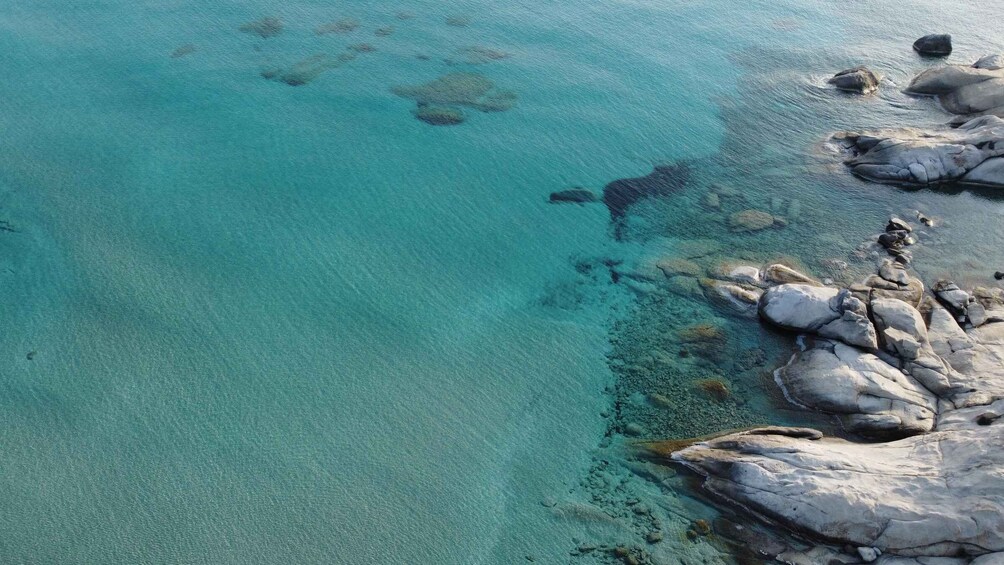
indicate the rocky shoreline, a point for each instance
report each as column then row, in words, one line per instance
column 929, row 374
column 913, row 374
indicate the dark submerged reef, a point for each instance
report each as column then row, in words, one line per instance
column 447, row 95
column 265, row 28
column 476, row 55
column 346, row 25
column 664, row 180
column 303, row 72
column 183, row 50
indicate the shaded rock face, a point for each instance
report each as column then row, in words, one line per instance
column 962, row 89
column 859, row 79
column 932, row 386
column 934, row 45
column 972, row 154
column 664, row 180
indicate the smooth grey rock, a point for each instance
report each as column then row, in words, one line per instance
column 897, row 224
column 937, row 494
column 859, row 79
column 914, row 157
column 868, row 395
column 934, row 45
column 961, row 89
column 799, row 307
column 990, row 62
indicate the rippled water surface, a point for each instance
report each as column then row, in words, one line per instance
column 258, row 311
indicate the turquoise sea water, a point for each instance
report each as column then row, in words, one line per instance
column 296, row 324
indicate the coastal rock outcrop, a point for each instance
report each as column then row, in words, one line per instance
column 962, row 89
column 930, row 381
column 859, row 79
column 937, row 494
column 869, row 396
column 971, row 154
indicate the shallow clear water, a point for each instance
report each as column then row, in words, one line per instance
column 296, row 324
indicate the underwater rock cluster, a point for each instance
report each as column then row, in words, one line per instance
column 441, row 101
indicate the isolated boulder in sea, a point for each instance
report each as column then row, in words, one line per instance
column 859, row 79
column 971, row 154
column 183, row 50
column 347, row 25
column 934, row 45
column 577, row 195
column 265, row 28
column 962, row 89
column 304, row 71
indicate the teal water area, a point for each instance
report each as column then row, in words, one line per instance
column 271, row 323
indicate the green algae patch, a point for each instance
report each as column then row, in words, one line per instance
column 449, row 94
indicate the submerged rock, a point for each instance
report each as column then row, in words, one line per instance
column 456, row 90
column 265, row 28
column 750, row 220
column 664, row 180
column 577, row 195
column 971, row 154
column 934, row 45
column 859, row 79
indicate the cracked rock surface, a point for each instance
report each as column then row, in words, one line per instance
column 929, row 379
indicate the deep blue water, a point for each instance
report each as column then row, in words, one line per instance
column 295, row 324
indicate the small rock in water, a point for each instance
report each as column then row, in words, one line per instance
column 990, row 62
column 654, row 537
column 31, row 355
column 896, row 224
column 859, row 79
column 934, row 45
column 265, row 28
column 924, row 219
